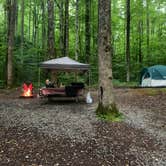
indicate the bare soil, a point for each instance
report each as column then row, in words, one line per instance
column 36, row 132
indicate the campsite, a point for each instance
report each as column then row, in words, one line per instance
column 82, row 83
column 37, row 132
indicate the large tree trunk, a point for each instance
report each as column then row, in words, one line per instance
column 11, row 29
column 66, row 29
column 77, row 30
column 51, row 37
column 128, row 39
column 106, row 97
column 87, row 29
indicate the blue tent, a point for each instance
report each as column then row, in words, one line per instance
column 153, row 76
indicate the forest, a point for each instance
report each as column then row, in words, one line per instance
column 99, row 115
column 35, row 30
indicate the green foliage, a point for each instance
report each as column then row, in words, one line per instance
column 26, row 63
column 118, row 83
column 109, row 113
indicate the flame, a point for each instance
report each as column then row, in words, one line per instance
column 27, row 90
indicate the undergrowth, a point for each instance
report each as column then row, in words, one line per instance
column 109, row 113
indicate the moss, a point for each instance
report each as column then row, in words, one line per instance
column 109, row 113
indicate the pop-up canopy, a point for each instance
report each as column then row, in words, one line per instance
column 64, row 64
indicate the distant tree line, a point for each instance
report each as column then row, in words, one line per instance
column 35, row 30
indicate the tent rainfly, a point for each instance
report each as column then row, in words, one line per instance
column 64, row 64
column 153, row 76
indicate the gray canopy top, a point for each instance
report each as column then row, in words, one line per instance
column 64, row 64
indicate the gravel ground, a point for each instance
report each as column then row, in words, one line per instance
column 36, row 132
column 66, row 119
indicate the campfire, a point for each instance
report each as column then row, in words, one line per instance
column 27, row 90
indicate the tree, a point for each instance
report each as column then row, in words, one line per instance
column 147, row 27
column 51, row 37
column 87, row 29
column 29, row 20
column 66, row 29
column 128, row 39
column 77, row 30
column 11, row 13
column 22, row 27
column 140, row 32
column 43, row 25
column 61, row 26
column 106, row 97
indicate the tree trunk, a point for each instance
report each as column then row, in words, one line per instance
column 128, row 39
column 61, row 27
column 140, row 24
column 106, row 97
column 147, row 28
column 5, row 21
column 11, row 29
column 51, row 37
column 37, row 24
column 29, row 21
column 34, row 24
column 66, row 29
column 16, row 21
column 87, row 29
column 43, row 25
column 22, row 27
column 77, row 30
column 140, row 32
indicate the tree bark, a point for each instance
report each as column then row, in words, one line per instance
column 5, row 21
column 77, row 30
column 43, row 25
column 87, row 29
column 29, row 21
column 128, row 39
column 16, row 21
column 140, row 26
column 147, row 28
column 51, row 37
column 140, row 32
column 61, row 27
column 11, row 6
column 22, row 27
column 106, row 96
column 66, row 29
column 34, row 23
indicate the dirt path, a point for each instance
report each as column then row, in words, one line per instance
column 35, row 132
column 144, row 111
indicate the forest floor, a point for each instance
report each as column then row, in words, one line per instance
column 35, row 132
